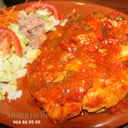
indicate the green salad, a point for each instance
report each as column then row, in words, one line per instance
column 29, row 29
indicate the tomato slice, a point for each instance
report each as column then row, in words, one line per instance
column 7, row 36
column 5, row 45
column 43, row 5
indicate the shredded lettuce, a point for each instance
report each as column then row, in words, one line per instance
column 44, row 14
column 17, row 62
column 2, row 94
column 12, row 94
column 3, row 77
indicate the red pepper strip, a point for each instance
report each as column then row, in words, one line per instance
column 107, row 25
column 7, row 33
column 91, row 48
column 43, row 5
column 66, row 46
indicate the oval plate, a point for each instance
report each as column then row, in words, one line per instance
column 25, row 113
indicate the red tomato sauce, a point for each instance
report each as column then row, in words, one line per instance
column 75, row 54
